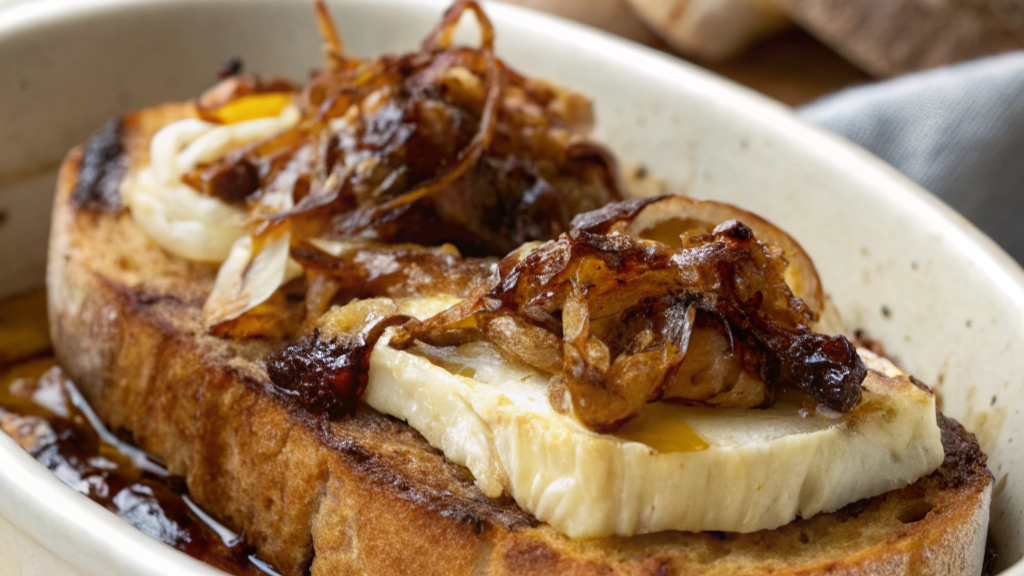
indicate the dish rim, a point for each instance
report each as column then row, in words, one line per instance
column 61, row 514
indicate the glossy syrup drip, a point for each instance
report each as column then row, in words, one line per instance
column 660, row 426
column 41, row 409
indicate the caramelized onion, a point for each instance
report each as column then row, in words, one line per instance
column 444, row 145
column 399, row 166
column 668, row 220
column 251, row 274
column 327, row 371
column 623, row 309
column 334, row 47
column 353, row 270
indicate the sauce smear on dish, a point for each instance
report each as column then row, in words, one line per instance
column 43, row 412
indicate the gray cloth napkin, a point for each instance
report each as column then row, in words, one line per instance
column 957, row 131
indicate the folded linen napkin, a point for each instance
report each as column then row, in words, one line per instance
column 958, row 131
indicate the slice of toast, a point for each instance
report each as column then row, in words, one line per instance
column 367, row 494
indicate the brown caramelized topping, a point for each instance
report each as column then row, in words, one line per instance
column 612, row 316
column 444, row 145
column 964, row 459
column 366, row 270
column 230, row 182
column 400, row 165
column 328, row 375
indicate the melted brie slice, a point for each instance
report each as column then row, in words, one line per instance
column 673, row 467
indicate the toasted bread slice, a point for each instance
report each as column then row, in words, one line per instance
column 367, row 494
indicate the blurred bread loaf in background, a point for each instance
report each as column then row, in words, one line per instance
column 881, row 37
column 613, row 16
column 710, row 30
column 890, row 37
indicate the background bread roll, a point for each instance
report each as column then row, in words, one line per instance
column 711, row 30
column 614, row 16
column 890, row 37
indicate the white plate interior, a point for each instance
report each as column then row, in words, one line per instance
column 943, row 299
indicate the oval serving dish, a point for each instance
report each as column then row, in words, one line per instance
column 945, row 301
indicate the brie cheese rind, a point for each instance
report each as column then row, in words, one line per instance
column 749, row 469
column 182, row 221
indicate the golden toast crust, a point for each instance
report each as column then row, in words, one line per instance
column 367, row 494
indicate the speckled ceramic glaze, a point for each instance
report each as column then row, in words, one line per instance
column 945, row 301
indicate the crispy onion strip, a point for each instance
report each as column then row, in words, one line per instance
column 668, row 220
column 253, row 271
column 442, row 36
column 334, row 47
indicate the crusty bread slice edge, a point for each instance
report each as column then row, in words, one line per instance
column 367, row 495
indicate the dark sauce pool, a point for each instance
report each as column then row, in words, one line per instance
column 43, row 411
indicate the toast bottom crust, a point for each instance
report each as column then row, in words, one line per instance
column 367, row 494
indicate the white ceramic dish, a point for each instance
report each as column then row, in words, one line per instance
column 945, row 301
